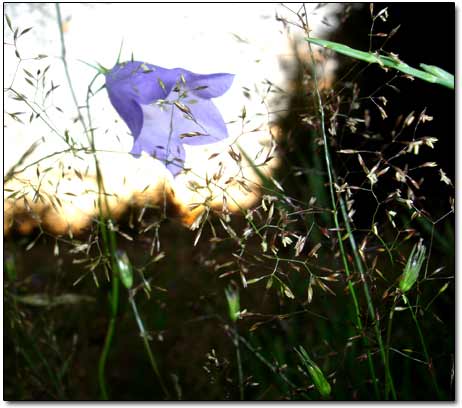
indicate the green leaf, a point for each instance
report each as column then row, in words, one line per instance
column 439, row 72
column 434, row 75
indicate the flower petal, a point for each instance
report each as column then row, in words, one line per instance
column 156, row 139
column 204, row 119
column 129, row 111
column 166, row 108
column 209, row 86
column 133, row 83
column 141, row 81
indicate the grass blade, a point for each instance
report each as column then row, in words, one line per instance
column 431, row 74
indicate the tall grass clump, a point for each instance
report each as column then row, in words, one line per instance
column 337, row 284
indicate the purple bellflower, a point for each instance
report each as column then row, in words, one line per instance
column 166, row 108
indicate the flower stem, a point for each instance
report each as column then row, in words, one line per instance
column 109, row 336
column 107, row 234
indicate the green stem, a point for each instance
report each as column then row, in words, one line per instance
column 154, row 365
column 109, row 246
column 108, row 236
column 425, row 350
column 66, row 68
column 262, row 359
column 337, row 225
column 387, row 349
column 239, row 363
column 147, row 346
column 108, row 339
column 367, row 294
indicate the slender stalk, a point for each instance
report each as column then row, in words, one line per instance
column 263, row 360
column 108, row 339
column 337, row 226
column 66, row 67
column 239, row 363
column 367, row 294
column 358, row 262
column 425, row 350
column 108, row 235
column 145, row 336
column 387, row 346
column 109, row 246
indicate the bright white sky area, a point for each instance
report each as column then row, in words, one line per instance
column 243, row 39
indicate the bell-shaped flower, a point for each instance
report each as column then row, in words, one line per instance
column 166, row 108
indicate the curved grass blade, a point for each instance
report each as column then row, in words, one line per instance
column 431, row 74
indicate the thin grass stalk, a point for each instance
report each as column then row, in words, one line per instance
column 108, row 338
column 145, row 336
column 108, row 235
column 239, row 363
column 425, row 350
column 337, row 225
column 109, row 248
column 32, row 364
column 234, row 307
column 263, row 360
column 66, row 68
column 359, row 265
column 370, row 304
column 388, row 343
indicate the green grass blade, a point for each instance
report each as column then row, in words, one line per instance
column 437, row 72
column 431, row 74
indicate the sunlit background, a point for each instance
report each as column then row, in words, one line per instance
column 254, row 42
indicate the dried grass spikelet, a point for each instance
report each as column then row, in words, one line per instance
column 57, row 200
column 61, row 195
column 62, row 192
column 216, row 175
